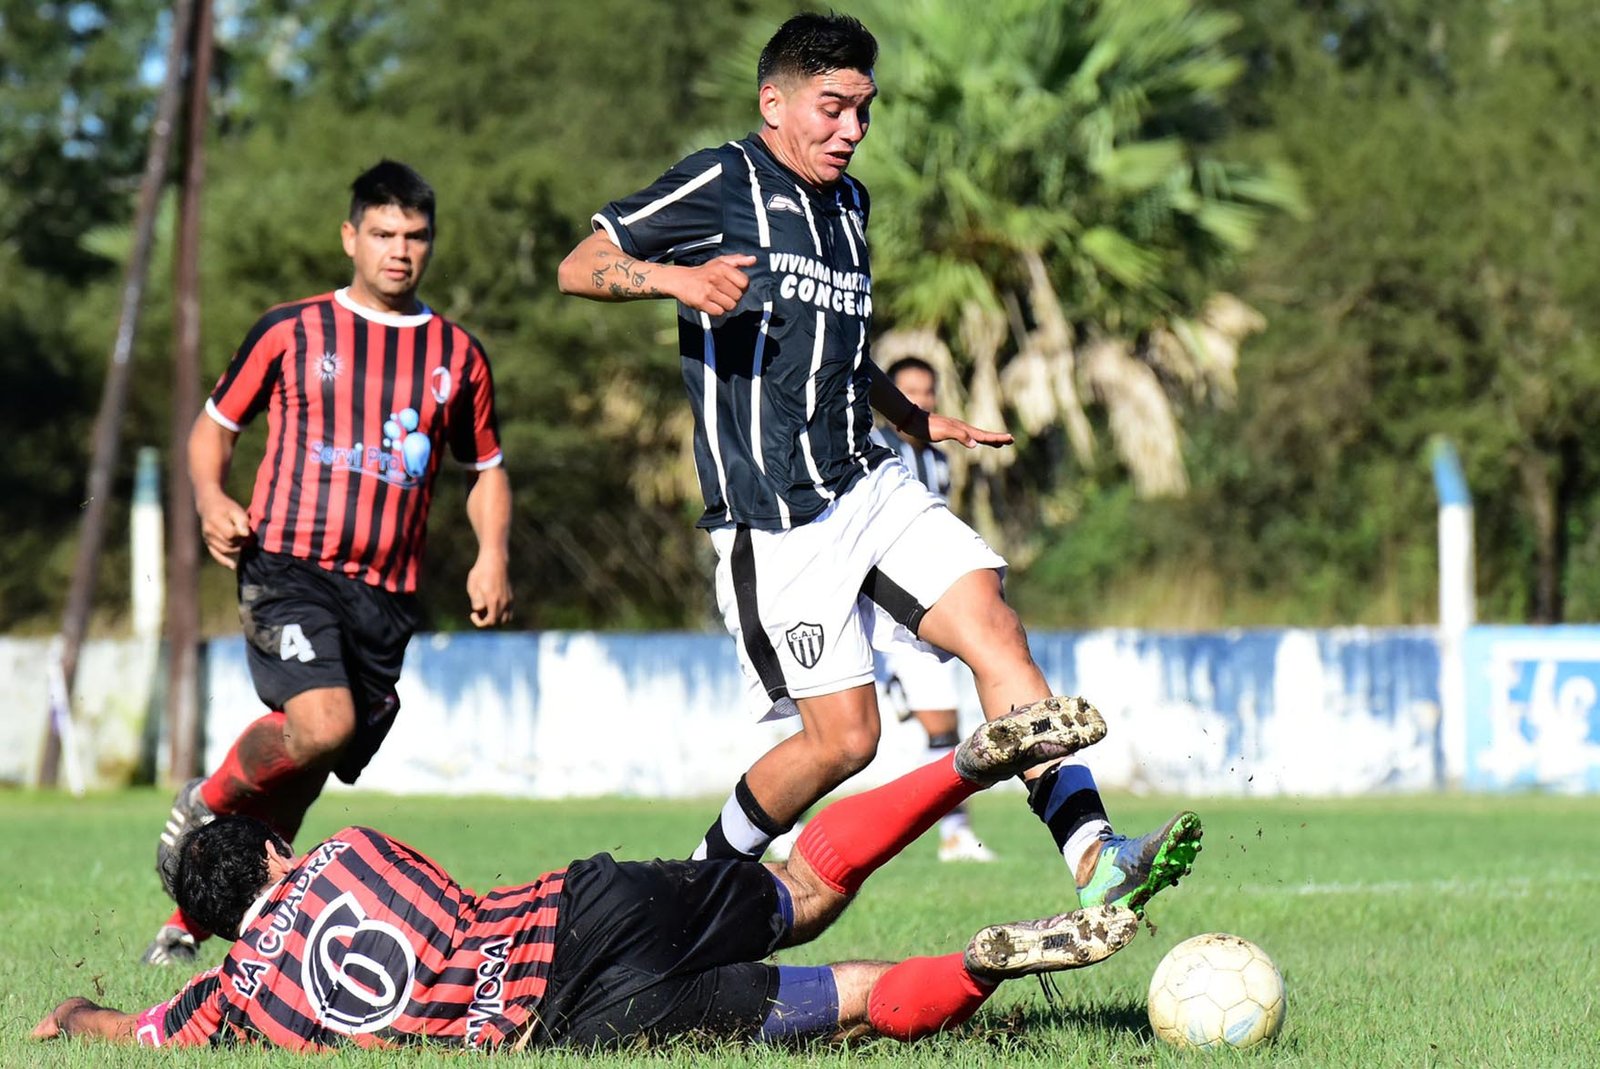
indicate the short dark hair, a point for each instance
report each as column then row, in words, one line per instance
column 390, row 182
column 910, row 363
column 221, row 869
column 810, row 44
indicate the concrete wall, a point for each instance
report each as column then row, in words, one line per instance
column 562, row 714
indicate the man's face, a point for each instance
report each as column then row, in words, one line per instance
column 815, row 125
column 919, row 387
column 390, row 251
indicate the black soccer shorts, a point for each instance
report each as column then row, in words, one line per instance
column 306, row 627
column 659, row 948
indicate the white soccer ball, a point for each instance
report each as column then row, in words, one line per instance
column 1216, row 990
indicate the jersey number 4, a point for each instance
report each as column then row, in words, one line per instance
column 295, row 646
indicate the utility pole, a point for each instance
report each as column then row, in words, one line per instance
column 183, row 595
column 114, row 400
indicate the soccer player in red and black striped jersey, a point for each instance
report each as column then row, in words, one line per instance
column 364, row 389
column 366, row 942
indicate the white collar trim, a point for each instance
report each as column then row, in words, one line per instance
column 253, row 914
column 388, row 319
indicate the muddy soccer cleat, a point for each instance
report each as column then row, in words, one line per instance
column 1129, row 872
column 171, row 946
column 1068, row 941
column 189, row 811
column 1043, row 731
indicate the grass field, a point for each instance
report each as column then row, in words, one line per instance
column 1434, row 931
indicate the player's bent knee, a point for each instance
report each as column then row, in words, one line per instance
column 316, row 732
column 855, row 750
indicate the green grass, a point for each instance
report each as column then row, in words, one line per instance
column 1432, row 931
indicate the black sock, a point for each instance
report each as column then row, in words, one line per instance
column 742, row 830
column 1063, row 805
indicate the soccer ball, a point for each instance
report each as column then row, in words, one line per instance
column 1216, row 990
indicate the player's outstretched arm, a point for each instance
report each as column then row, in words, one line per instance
column 898, row 409
column 599, row 270
column 223, row 521
column 80, row 1017
column 950, row 429
column 489, row 581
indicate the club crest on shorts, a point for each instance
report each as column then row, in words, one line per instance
column 805, row 642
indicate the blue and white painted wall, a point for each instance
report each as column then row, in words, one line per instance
column 563, row 714
column 571, row 714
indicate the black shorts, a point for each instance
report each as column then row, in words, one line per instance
column 659, row 948
column 306, row 627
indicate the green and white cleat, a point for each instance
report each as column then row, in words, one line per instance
column 1067, row 941
column 1129, row 872
column 1042, row 731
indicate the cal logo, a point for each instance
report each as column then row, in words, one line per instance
column 805, row 642
column 782, row 202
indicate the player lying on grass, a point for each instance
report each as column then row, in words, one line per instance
column 365, row 941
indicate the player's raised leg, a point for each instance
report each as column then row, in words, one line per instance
column 851, row 838
column 920, row 996
column 854, row 836
column 972, row 620
column 274, row 771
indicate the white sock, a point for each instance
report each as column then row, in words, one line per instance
column 1082, row 841
column 954, row 823
column 742, row 835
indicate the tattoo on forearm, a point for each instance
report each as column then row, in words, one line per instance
column 634, row 281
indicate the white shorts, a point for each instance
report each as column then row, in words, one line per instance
column 916, row 676
column 801, row 603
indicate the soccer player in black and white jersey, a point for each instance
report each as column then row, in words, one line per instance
column 763, row 244
column 920, row 678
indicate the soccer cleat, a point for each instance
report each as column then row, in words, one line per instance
column 189, row 811
column 1067, row 941
column 963, row 845
column 1128, row 872
column 1009, row 745
column 172, row 945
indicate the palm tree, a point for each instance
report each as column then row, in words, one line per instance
column 1048, row 218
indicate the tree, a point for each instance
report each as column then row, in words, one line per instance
column 1052, row 214
column 1443, row 284
column 74, row 117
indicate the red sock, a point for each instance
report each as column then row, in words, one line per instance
column 851, row 838
column 178, row 920
column 259, row 779
column 920, row 996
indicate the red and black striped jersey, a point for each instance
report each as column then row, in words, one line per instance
column 369, row 942
column 360, row 406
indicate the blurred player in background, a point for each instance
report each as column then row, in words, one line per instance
column 920, row 678
column 366, row 942
column 763, row 243
column 364, row 390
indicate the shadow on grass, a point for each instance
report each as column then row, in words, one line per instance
column 1127, row 1019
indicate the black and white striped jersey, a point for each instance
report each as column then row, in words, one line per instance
column 779, row 385
column 926, row 461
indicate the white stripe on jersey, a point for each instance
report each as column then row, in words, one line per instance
column 844, row 225
column 811, row 221
column 756, row 367
column 682, row 191
column 855, row 198
column 850, row 396
column 688, row 246
column 811, row 407
column 708, row 409
column 763, row 231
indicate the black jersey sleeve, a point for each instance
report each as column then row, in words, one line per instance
column 677, row 214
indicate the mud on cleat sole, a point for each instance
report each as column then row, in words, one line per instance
column 1066, row 941
column 1043, row 731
